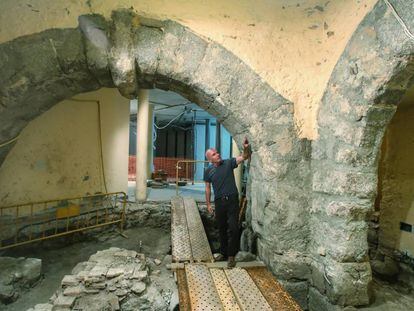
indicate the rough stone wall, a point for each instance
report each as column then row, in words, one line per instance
column 372, row 74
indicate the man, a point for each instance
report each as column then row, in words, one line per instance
column 226, row 199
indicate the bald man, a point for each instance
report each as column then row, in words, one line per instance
column 226, row 199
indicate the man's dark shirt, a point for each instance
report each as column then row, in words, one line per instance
column 222, row 178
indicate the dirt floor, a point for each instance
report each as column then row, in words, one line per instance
column 390, row 297
column 60, row 256
column 59, row 261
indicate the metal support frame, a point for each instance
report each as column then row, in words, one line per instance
column 37, row 221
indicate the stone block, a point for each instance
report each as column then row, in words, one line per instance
column 63, row 301
column 351, row 209
column 88, row 280
column 73, row 290
column 318, row 302
column 82, row 275
column 318, row 276
column 188, row 56
column 348, row 283
column 31, row 269
column 138, row 287
column 97, row 285
column 140, row 274
column 91, row 291
column 126, row 253
column 343, row 241
column 98, row 271
column 290, row 266
column 327, row 179
column 101, row 301
column 146, row 48
column 113, row 272
column 215, row 71
column 70, row 280
column 121, row 292
column 130, row 268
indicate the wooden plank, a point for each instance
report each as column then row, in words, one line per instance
column 248, row 295
column 274, row 293
column 200, row 248
column 180, row 239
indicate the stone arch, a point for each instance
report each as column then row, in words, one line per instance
column 129, row 52
column 371, row 76
column 41, row 69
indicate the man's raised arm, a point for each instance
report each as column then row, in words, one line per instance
column 246, row 152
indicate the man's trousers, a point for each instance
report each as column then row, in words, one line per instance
column 227, row 218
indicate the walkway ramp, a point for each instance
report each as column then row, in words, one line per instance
column 205, row 285
column 202, row 287
column 189, row 240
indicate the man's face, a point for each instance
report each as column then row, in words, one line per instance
column 214, row 156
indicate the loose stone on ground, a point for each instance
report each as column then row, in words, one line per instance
column 114, row 279
column 17, row 274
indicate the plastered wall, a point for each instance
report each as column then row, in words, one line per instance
column 58, row 154
column 293, row 45
column 397, row 179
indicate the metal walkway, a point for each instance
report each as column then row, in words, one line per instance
column 211, row 286
column 189, row 240
column 205, row 288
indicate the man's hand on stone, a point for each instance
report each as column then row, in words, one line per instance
column 246, row 149
column 245, row 143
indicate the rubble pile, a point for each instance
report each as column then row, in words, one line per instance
column 112, row 279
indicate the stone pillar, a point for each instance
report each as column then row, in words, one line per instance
column 239, row 170
column 218, row 136
column 150, row 140
column 142, row 145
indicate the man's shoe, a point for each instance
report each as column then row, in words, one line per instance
column 231, row 262
column 219, row 257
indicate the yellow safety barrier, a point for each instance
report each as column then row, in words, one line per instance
column 36, row 221
column 178, row 167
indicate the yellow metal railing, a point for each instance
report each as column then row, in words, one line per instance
column 36, row 221
column 178, row 167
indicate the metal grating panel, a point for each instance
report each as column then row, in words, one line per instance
column 224, row 290
column 271, row 289
column 246, row 291
column 200, row 247
column 203, row 294
column 180, row 240
column 185, row 304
